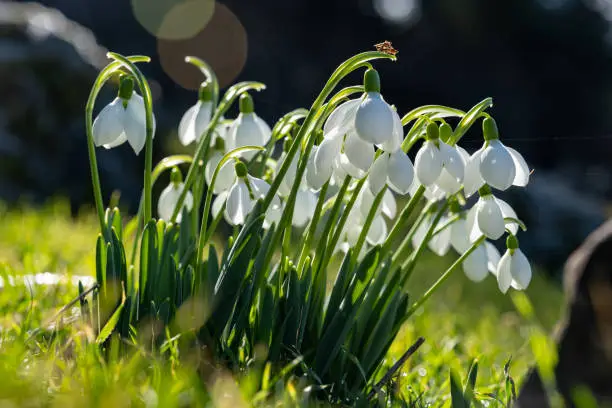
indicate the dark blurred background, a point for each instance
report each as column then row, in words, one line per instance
column 546, row 63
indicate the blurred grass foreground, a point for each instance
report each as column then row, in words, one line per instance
column 57, row 367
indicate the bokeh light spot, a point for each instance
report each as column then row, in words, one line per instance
column 222, row 44
column 401, row 12
column 173, row 19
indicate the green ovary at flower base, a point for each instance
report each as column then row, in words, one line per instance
column 335, row 183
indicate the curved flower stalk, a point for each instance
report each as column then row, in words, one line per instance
column 169, row 197
column 352, row 132
column 248, row 129
column 495, row 164
column 513, row 269
column 122, row 120
column 197, row 118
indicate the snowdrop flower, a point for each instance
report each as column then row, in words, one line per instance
column 439, row 243
column 481, row 261
column 513, row 268
column 124, row 119
column 241, row 197
column 196, row 119
column 435, row 156
column 392, row 169
column 495, row 164
column 353, row 129
column 248, row 129
column 488, row 216
column 376, row 235
column 170, row 195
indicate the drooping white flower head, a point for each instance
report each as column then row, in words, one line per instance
column 124, row 119
column 513, row 268
column 487, row 216
column 495, row 164
column 482, row 260
column 170, row 195
column 435, row 156
column 248, row 129
column 241, row 197
column 196, row 119
column 226, row 176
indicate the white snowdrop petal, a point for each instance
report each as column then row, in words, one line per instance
column 395, row 142
column 453, row 162
column 302, row 211
column 459, row 236
column 419, row 234
column 358, row 152
column 428, row 163
column 218, row 203
column 238, row 204
column 389, row 205
column 135, row 129
column 520, row 269
column 475, row 265
column 201, row 119
column 493, row 257
column 508, row 212
column 247, row 133
column 347, row 166
column 496, row 166
column 377, row 179
column 364, row 202
column 273, row 216
column 108, row 125
column 325, row 155
column 169, row 198
column 285, row 186
column 489, row 217
column 260, row 188
column 314, row 179
column 400, row 172
column 341, row 119
column 378, row 231
column 264, row 129
column 440, row 243
column 521, row 178
column 472, row 180
column 339, row 174
column 374, row 119
column 186, row 129
column 504, row 274
column 138, row 106
column 447, row 183
column 119, row 141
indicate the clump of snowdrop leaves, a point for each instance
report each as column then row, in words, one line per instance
column 122, row 120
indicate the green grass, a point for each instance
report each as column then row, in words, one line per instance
column 58, row 367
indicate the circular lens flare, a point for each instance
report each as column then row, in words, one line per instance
column 173, row 19
column 222, row 44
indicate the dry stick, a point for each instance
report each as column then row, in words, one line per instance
column 396, row 366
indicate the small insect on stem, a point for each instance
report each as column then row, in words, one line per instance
column 386, row 47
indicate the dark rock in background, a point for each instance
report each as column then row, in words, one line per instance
column 546, row 63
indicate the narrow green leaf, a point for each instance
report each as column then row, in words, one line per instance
column 457, row 400
column 470, row 384
column 110, row 325
column 468, row 120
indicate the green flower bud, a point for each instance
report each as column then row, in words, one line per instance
column 446, row 132
column 454, row 206
column 241, row 169
column 512, row 242
column 371, row 81
column 485, row 190
column 219, row 144
column 176, row 177
column 205, row 92
column 126, row 87
column 433, row 132
column 246, row 103
column 489, row 129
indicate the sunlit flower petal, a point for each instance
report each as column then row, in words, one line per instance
column 520, row 269
column 108, row 126
column 239, row 203
column 475, row 264
column 168, row 200
column 341, row 119
column 504, row 272
column 389, row 206
column 497, row 166
column 359, row 153
column 377, row 179
column 378, row 231
column 521, row 178
column 226, row 176
column 489, row 217
column 472, row 179
column 428, row 163
column 395, row 142
column 374, row 119
column 400, row 172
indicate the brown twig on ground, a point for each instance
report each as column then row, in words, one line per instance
column 387, row 377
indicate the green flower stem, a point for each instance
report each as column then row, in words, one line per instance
column 343, row 70
column 143, row 85
column 401, row 251
column 412, row 261
column 329, row 250
column 104, row 76
column 444, row 277
column 320, row 251
column 368, row 223
column 204, row 143
column 447, row 224
column 397, row 228
column 312, row 228
column 210, row 75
